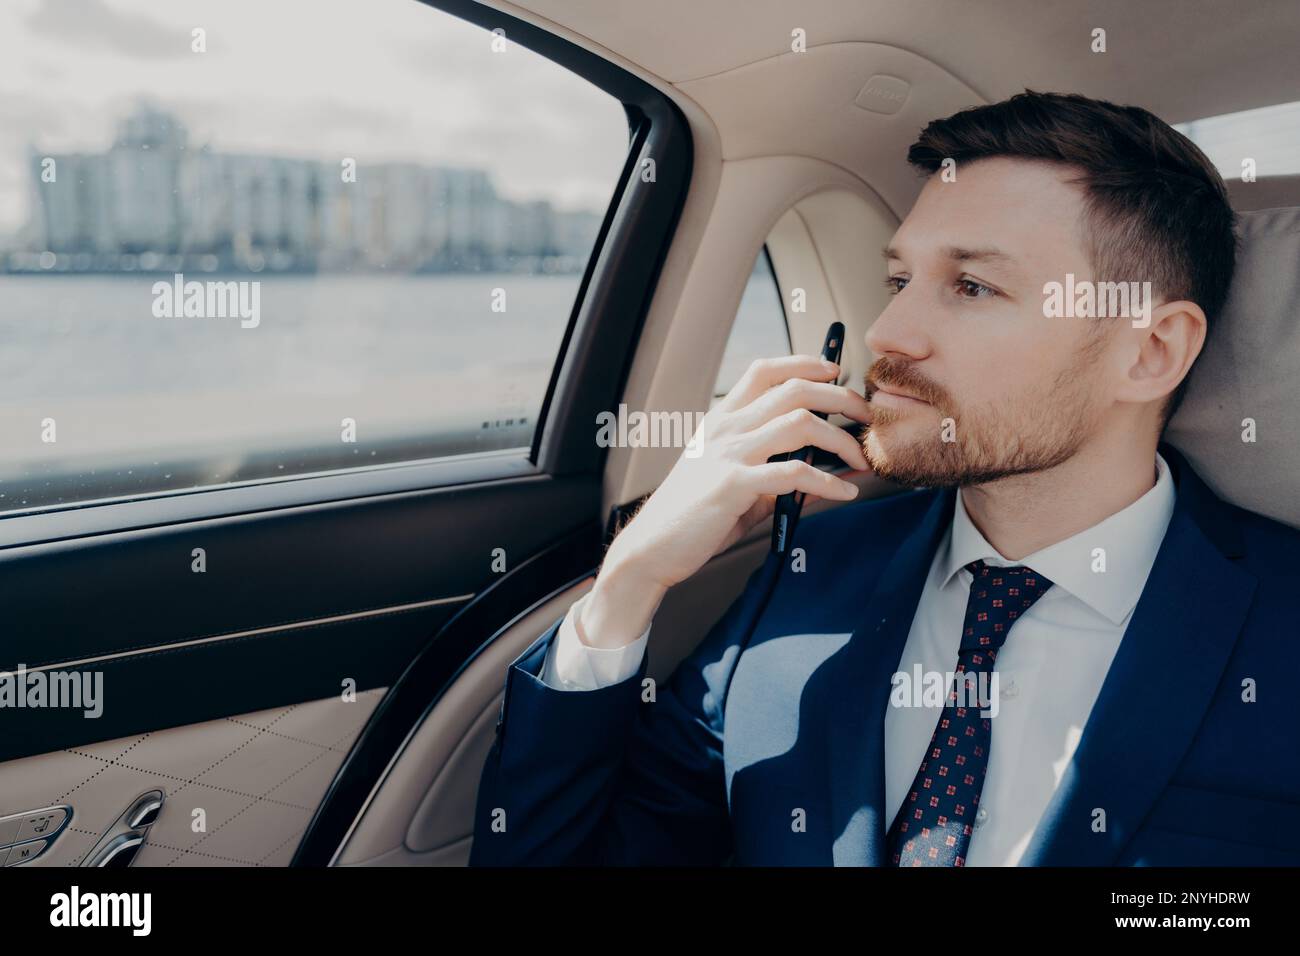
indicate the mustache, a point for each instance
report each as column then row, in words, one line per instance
column 904, row 377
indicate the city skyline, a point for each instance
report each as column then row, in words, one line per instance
column 403, row 83
column 152, row 201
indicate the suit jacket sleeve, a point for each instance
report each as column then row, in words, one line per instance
column 605, row 777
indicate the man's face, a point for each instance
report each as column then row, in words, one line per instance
column 996, row 389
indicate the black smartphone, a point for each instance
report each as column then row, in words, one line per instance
column 789, row 505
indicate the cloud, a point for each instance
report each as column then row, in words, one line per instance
column 92, row 24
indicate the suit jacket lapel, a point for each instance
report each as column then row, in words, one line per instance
column 860, row 694
column 1158, row 687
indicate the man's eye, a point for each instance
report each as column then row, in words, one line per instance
column 970, row 289
column 895, row 284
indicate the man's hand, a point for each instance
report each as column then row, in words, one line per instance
column 710, row 501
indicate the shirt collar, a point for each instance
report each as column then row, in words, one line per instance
column 1130, row 539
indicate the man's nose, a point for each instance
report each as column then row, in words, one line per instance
column 898, row 331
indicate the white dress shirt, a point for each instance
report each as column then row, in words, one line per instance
column 573, row 665
column 1049, row 671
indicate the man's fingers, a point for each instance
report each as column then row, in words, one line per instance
column 800, row 393
column 763, row 374
column 795, row 430
column 784, row 477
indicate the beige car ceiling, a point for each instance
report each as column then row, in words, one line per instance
column 775, row 129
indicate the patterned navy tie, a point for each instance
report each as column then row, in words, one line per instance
column 934, row 824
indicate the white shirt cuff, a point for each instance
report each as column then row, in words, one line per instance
column 572, row 665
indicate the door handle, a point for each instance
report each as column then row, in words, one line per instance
column 123, row 840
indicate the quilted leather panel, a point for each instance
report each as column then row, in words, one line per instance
column 258, row 779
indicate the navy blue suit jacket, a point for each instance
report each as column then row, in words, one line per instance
column 782, row 706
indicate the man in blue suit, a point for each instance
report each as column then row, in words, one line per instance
column 1049, row 653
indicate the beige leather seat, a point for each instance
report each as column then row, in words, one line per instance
column 1250, row 366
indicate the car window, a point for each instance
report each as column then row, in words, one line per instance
column 1267, row 138
column 759, row 330
column 245, row 242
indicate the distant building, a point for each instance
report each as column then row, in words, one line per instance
column 151, row 198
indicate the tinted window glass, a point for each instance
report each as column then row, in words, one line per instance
column 760, row 329
column 252, row 241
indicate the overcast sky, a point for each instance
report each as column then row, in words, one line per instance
column 376, row 80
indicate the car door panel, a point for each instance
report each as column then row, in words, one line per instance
column 238, row 791
column 291, row 604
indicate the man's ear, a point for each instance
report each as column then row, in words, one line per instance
column 1166, row 347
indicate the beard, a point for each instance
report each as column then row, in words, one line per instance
column 948, row 445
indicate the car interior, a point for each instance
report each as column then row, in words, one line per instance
column 776, row 134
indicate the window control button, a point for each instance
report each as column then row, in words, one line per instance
column 41, row 823
column 24, row 852
column 9, row 830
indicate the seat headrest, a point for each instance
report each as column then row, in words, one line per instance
column 1248, row 373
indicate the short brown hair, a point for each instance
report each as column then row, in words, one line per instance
column 1156, row 206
